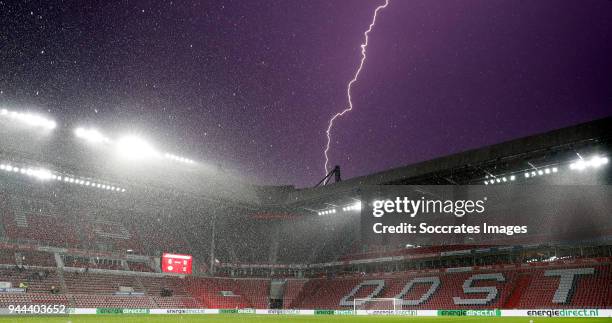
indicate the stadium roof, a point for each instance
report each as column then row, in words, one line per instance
column 472, row 167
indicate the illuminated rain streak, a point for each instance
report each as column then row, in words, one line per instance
column 350, row 84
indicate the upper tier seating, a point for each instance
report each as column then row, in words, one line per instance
column 37, row 258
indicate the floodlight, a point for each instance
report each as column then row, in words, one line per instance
column 30, row 119
column 512, row 177
column 555, row 169
column 540, row 172
column 578, row 165
column 547, row 171
column 597, row 161
column 134, row 148
column 91, row 135
column 526, row 174
column 178, row 158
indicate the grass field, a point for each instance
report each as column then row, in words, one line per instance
column 273, row 319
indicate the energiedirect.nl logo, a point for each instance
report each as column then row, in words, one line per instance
column 565, row 313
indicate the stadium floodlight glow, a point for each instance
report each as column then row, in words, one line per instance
column 91, row 135
column 512, row 178
column 593, row 162
column 179, row 159
column 29, row 119
column 134, row 148
column 353, row 207
column 41, row 174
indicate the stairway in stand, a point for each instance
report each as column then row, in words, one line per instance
column 523, row 282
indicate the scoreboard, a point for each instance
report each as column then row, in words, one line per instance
column 177, row 264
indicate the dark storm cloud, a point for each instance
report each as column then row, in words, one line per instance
column 252, row 83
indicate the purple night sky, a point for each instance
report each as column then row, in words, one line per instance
column 251, row 84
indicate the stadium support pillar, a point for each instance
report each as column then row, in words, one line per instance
column 273, row 252
column 212, row 245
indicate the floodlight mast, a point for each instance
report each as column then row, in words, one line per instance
column 335, row 172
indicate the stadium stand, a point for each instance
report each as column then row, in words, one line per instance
column 140, row 266
column 92, row 247
column 90, row 283
column 293, row 288
column 218, row 293
column 36, row 258
column 551, row 286
column 39, row 280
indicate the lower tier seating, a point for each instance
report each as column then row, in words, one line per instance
column 539, row 285
column 579, row 286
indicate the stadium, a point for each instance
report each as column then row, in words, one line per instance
column 310, row 161
column 94, row 238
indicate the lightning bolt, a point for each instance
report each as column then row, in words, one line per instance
column 364, row 46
